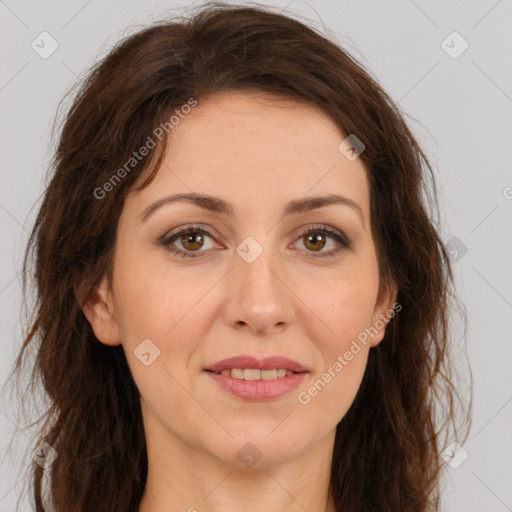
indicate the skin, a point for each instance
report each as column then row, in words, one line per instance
column 256, row 151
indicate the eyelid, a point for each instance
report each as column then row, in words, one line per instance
column 339, row 237
column 167, row 239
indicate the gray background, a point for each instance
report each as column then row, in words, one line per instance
column 460, row 110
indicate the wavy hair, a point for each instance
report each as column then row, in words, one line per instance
column 387, row 447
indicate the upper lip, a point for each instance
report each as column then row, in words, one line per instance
column 268, row 363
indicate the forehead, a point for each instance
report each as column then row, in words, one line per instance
column 257, row 150
column 243, row 125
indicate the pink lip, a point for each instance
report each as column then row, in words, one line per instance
column 259, row 364
column 257, row 390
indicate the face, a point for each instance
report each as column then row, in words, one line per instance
column 254, row 280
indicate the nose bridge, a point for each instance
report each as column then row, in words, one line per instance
column 259, row 273
column 257, row 295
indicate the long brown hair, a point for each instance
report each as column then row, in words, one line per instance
column 387, row 447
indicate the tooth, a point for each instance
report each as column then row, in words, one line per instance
column 252, row 374
column 237, row 373
column 255, row 374
column 268, row 374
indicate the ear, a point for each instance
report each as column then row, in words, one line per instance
column 98, row 309
column 384, row 311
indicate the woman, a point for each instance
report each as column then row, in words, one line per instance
column 243, row 303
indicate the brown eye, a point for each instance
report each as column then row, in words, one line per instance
column 188, row 242
column 314, row 241
column 322, row 242
column 192, row 241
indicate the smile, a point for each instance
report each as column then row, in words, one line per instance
column 255, row 374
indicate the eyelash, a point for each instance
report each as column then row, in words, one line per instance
column 168, row 239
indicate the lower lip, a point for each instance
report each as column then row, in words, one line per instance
column 258, row 389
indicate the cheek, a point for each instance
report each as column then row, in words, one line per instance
column 344, row 355
column 171, row 308
column 154, row 298
column 346, row 306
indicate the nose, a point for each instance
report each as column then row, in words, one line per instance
column 258, row 298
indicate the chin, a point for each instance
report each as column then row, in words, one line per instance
column 259, row 450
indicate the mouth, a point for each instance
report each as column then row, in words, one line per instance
column 251, row 379
column 254, row 373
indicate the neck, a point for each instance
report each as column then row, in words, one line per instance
column 181, row 478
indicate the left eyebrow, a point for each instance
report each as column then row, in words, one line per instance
column 312, row 203
column 220, row 206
